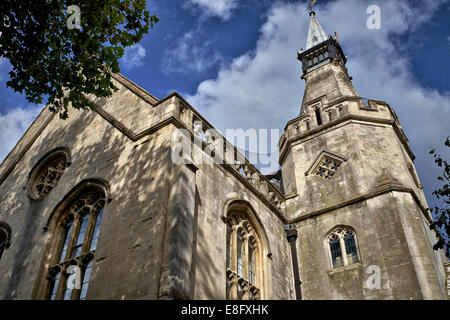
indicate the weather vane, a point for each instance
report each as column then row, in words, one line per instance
column 311, row 4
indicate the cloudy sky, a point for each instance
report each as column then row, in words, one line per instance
column 235, row 61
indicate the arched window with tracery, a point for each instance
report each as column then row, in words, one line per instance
column 46, row 174
column 5, row 237
column 73, row 245
column 342, row 247
column 244, row 276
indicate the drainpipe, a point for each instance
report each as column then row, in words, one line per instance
column 292, row 235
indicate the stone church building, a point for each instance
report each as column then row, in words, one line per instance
column 94, row 207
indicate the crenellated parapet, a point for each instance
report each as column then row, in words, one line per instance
column 319, row 115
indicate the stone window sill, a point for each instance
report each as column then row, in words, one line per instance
column 345, row 268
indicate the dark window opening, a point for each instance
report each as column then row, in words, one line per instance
column 336, row 253
column 5, row 237
column 3, row 241
column 319, row 117
column 350, row 248
column 228, row 294
column 240, row 253
column 229, row 247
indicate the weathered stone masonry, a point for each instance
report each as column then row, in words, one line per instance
column 349, row 191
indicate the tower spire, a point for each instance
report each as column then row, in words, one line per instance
column 323, row 66
column 316, row 34
column 320, row 48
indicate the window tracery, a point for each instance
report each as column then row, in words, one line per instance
column 327, row 167
column 342, row 247
column 76, row 241
column 47, row 174
column 243, row 256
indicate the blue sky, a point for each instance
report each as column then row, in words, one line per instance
column 235, row 62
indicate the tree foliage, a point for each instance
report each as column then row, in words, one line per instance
column 50, row 58
column 442, row 212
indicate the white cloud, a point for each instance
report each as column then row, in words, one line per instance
column 448, row 38
column 190, row 55
column 13, row 124
column 214, row 8
column 133, row 57
column 263, row 89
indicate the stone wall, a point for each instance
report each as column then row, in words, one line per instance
column 447, row 278
column 132, row 226
column 384, row 228
column 216, row 189
column 162, row 233
column 380, row 242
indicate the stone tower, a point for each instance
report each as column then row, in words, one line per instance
column 99, row 197
column 352, row 191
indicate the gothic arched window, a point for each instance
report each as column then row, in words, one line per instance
column 342, row 247
column 244, row 255
column 5, row 237
column 47, row 173
column 72, row 251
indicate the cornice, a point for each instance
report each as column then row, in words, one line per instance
column 370, row 195
column 133, row 87
column 376, row 193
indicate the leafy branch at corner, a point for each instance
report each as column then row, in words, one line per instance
column 49, row 59
column 442, row 213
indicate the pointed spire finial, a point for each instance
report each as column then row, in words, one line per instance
column 316, row 34
column 336, row 36
column 320, row 49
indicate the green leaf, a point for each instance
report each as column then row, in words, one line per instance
column 49, row 59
